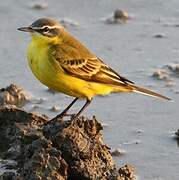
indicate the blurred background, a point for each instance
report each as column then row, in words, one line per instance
column 140, row 41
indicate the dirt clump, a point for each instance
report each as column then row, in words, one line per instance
column 55, row 150
column 13, row 95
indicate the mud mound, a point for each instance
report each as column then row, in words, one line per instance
column 58, row 150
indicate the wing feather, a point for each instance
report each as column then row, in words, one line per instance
column 90, row 68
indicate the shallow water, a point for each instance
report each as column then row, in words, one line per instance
column 140, row 125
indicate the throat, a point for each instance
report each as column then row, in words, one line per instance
column 38, row 54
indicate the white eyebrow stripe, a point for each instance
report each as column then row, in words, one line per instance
column 50, row 27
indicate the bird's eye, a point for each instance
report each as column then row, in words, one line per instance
column 46, row 29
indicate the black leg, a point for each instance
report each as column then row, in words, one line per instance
column 66, row 109
column 63, row 113
column 82, row 109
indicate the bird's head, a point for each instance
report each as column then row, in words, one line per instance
column 44, row 29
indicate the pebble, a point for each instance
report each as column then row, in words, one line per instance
column 161, row 74
column 139, row 131
column 117, row 152
column 120, row 14
column 159, row 35
column 119, row 17
column 168, row 73
column 174, row 67
column 13, row 95
column 54, row 109
column 39, row 6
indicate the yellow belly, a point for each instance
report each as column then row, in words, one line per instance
column 48, row 71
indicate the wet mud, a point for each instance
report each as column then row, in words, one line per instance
column 72, row 149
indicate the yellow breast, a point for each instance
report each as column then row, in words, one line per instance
column 50, row 73
column 38, row 62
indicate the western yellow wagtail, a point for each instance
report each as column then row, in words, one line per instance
column 64, row 64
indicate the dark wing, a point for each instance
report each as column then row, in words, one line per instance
column 76, row 60
column 92, row 69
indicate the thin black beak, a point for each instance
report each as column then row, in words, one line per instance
column 26, row 29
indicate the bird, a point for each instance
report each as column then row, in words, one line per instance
column 64, row 64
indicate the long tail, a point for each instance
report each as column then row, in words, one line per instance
column 147, row 92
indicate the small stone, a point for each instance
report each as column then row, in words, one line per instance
column 139, row 131
column 13, row 95
column 161, row 74
column 174, row 67
column 137, row 142
column 117, row 152
column 159, row 35
column 39, row 6
column 54, row 109
column 119, row 17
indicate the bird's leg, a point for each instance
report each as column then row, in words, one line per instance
column 82, row 109
column 69, row 106
column 63, row 113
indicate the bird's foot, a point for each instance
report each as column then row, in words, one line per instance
column 60, row 117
